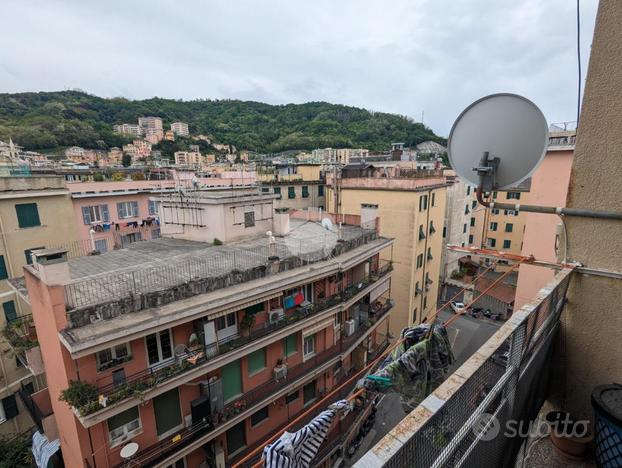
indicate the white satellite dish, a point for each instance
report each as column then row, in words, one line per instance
column 327, row 223
column 510, row 128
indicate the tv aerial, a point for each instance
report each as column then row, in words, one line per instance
column 498, row 142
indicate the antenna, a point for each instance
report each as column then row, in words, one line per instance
column 499, row 141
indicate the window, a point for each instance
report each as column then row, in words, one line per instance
column 8, row 408
column 309, row 345
column 127, row 209
column 292, row 396
column 468, row 190
column 249, row 219
column 429, row 257
column 414, row 315
column 277, row 191
column 464, row 228
column 418, row 290
column 231, row 380
column 507, row 243
column 265, row 189
column 494, row 195
column 159, row 348
column 236, row 439
column 509, row 227
column 259, row 416
column 27, row 215
column 320, row 190
column 419, row 260
column 432, row 228
column 101, row 245
column 9, row 311
column 493, row 226
column 495, row 211
column 470, row 239
column 291, row 192
column 167, row 412
column 256, row 361
column 114, row 356
column 153, row 207
column 95, row 214
column 425, row 302
column 492, row 242
column 28, row 254
column 473, row 204
column 305, row 191
column 225, row 321
column 433, row 199
column 4, row 274
column 123, row 425
column 513, row 195
column 155, row 233
column 423, row 202
column 472, row 221
column 510, row 212
column 466, row 209
column 308, row 392
column 421, row 232
column 444, row 232
column 290, row 345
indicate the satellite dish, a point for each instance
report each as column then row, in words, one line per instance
column 327, row 223
column 507, row 126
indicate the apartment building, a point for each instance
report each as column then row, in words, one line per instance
column 128, row 129
column 180, row 128
column 195, row 350
column 188, row 158
column 138, row 149
column 115, row 156
column 35, row 212
column 297, row 194
column 411, row 207
column 457, row 222
column 338, row 155
column 150, row 122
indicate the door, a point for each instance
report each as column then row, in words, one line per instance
column 209, row 334
column 226, row 327
column 167, row 413
column 231, row 380
column 216, row 396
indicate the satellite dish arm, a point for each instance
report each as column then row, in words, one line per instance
column 547, row 209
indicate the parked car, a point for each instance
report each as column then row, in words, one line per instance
column 458, row 307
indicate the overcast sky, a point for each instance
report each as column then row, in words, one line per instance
column 406, row 57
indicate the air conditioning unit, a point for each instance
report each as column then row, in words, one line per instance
column 350, row 327
column 276, row 315
column 280, row 373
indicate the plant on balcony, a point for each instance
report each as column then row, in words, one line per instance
column 247, row 323
column 15, row 450
column 79, row 394
column 19, row 341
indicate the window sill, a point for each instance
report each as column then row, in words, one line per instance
column 31, row 227
column 306, row 357
column 233, row 454
column 309, row 403
column 130, row 436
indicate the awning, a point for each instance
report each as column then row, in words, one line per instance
column 378, row 290
column 43, row 449
column 318, row 326
column 243, row 305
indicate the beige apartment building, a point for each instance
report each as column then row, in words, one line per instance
column 35, row 212
column 180, row 128
column 128, row 129
column 411, row 207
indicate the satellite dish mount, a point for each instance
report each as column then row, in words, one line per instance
column 487, row 172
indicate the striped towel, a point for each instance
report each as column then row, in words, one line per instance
column 43, row 449
column 298, row 449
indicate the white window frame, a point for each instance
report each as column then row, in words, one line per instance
column 305, row 339
column 93, row 209
column 153, row 207
column 113, row 353
column 228, row 331
column 161, row 360
column 127, row 434
column 126, row 208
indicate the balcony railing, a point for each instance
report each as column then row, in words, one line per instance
column 21, row 335
column 256, row 396
column 140, row 382
column 506, row 379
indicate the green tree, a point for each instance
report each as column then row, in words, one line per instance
column 126, row 160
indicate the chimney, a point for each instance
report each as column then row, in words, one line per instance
column 369, row 214
column 281, row 222
column 52, row 266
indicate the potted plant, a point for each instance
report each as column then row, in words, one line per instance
column 79, row 393
column 247, row 323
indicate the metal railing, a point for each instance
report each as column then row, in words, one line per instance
column 208, row 268
column 254, row 397
column 138, row 383
column 450, row 427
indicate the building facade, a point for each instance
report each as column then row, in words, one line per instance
column 412, row 212
column 256, row 336
column 457, row 223
column 128, row 129
column 180, row 128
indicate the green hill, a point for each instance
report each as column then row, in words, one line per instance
column 40, row 121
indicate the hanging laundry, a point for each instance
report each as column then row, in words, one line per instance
column 298, row 449
column 107, row 226
column 288, row 302
column 116, row 226
column 298, row 299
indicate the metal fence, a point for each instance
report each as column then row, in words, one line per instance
column 213, row 263
column 465, row 421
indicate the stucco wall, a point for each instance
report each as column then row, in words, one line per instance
column 592, row 319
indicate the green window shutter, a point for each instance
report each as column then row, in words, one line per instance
column 305, row 191
column 123, row 418
column 320, row 190
column 257, row 360
column 231, row 380
column 290, row 345
column 167, row 411
column 9, row 311
column 27, row 215
column 10, row 407
column 277, row 190
column 4, row 274
column 291, row 192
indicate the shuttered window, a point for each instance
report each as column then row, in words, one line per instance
column 257, row 361
column 305, row 191
column 127, row 209
column 167, row 411
column 231, row 380
column 290, row 344
column 236, row 438
column 9, row 311
column 291, row 192
column 9, row 404
column 4, row 274
column 95, row 214
column 27, row 215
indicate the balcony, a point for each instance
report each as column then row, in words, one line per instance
column 190, row 365
column 22, row 337
column 505, row 378
column 247, row 403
